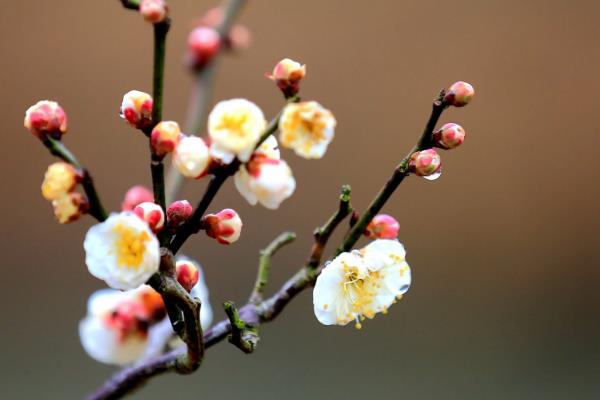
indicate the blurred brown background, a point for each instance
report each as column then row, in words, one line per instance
column 504, row 247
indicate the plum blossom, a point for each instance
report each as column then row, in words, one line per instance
column 122, row 251
column 362, row 283
column 115, row 329
column 307, row 128
column 191, row 157
column 264, row 180
column 235, row 127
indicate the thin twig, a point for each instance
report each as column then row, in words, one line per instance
column 323, row 233
column 400, row 172
column 264, row 264
column 243, row 336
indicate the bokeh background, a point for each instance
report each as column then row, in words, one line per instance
column 504, row 247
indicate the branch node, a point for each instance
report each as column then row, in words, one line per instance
column 244, row 336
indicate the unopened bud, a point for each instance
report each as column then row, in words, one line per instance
column 154, row 11
column 224, row 226
column 69, row 207
column 136, row 109
column 178, row 212
column 449, row 136
column 383, row 226
column 60, row 179
column 187, row 274
column 287, row 74
column 459, row 94
column 152, row 214
column 191, row 157
column 165, row 137
column 203, row 44
column 136, row 195
column 425, row 162
column 46, row 118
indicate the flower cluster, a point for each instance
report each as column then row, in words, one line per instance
column 137, row 247
column 60, row 182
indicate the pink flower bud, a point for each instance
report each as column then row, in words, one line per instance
column 383, row 226
column 46, row 118
column 203, row 44
column 152, row 214
column 287, row 74
column 459, row 94
column 69, row 207
column 187, row 274
column 449, row 136
column 154, row 11
column 164, row 137
column 136, row 109
column 178, row 212
column 425, row 162
column 60, row 179
column 136, row 195
column 225, row 226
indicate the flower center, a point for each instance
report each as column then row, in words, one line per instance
column 130, row 245
column 360, row 291
column 234, row 123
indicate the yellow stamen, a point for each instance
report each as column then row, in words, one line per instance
column 130, row 245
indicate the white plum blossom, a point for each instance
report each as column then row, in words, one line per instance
column 307, row 128
column 122, row 251
column 361, row 283
column 266, row 181
column 191, row 157
column 235, row 127
column 112, row 331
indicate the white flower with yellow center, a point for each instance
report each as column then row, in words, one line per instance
column 307, row 128
column 122, row 251
column 361, row 283
column 234, row 127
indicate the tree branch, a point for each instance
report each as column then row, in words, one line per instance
column 264, row 264
column 400, row 172
column 58, row 149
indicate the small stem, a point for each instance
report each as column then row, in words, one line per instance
column 243, row 336
column 131, row 4
column 323, row 233
column 58, row 149
column 156, row 163
column 400, row 172
column 160, row 48
column 264, row 264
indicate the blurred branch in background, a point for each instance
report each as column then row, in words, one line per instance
column 202, row 91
